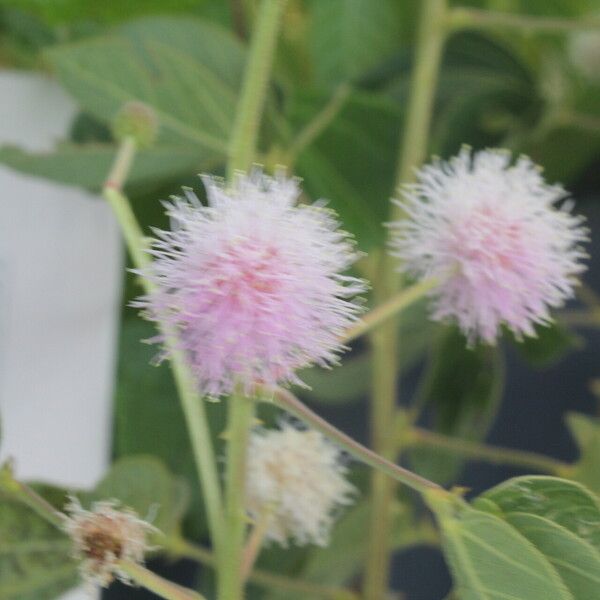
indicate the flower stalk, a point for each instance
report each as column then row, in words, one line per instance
column 391, row 308
column 288, row 402
column 243, row 141
column 413, row 148
column 191, row 402
column 473, row 18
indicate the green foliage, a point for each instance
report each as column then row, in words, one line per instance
column 349, row 37
column 551, row 344
column 586, row 432
column 358, row 180
column 530, row 537
column 463, row 386
column 87, row 165
column 35, row 561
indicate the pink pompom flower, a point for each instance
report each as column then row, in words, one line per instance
column 252, row 283
column 491, row 231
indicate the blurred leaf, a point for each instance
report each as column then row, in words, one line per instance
column 342, row 384
column 88, row 165
column 463, row 386
column 550, row 345
column 144, row 484
column 359, row 180
column 351, row 36
column 149, row 418
column 35, row 562
column 188, row 71
column 59, row 12
column 586, row 432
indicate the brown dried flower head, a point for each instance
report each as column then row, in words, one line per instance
column 103, row 536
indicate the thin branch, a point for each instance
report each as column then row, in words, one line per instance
column 154, row 583
column 288, row 402
column 390, row 308
column 493, row 454
column 473, row 18
column 319, row 123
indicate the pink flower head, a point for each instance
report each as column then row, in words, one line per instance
column 252, row 283
column 491, row 232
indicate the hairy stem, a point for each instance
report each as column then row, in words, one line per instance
column 255, row 542
column 416, row 437
column 391, row 308
column 154, row 583
column 473, row 18
column 288, row 402
column 191, row 401
column 242, row 146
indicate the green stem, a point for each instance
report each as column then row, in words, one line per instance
column 288, row 402
column 473, row 18
column 242, row 146
column 154, row 583
column 265, row 578
column 416, row 437
column 23, row 493
column 413, row 148
column 318, row 124
column 231, row 581
column 191, row 402
column 430, row 42
column 390, row 308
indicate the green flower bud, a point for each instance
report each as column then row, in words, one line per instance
column 136, row 120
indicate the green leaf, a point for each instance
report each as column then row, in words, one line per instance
column 358, row 181
column 188, row 71
column 348, row 37
column 550, row 345
column 87, row 165
column 463, row 386
column 35, row 561
column 566, row 503
column 490, row 560
column 561, row 519
column 144, row 484
column 348, row 382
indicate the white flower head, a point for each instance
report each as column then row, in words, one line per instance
column 103, row 536
column 298, row 479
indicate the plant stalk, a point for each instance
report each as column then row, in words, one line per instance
column 154, row 583
column 191, row 401
column 416, row 437
column 288, row 402
column 390, row 308
column 243, row 141
column 231, row 580
column 413, row 148
column 473, row 18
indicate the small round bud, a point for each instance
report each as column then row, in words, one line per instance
column 136, row 120
column 102, row 537
column 584, row 53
